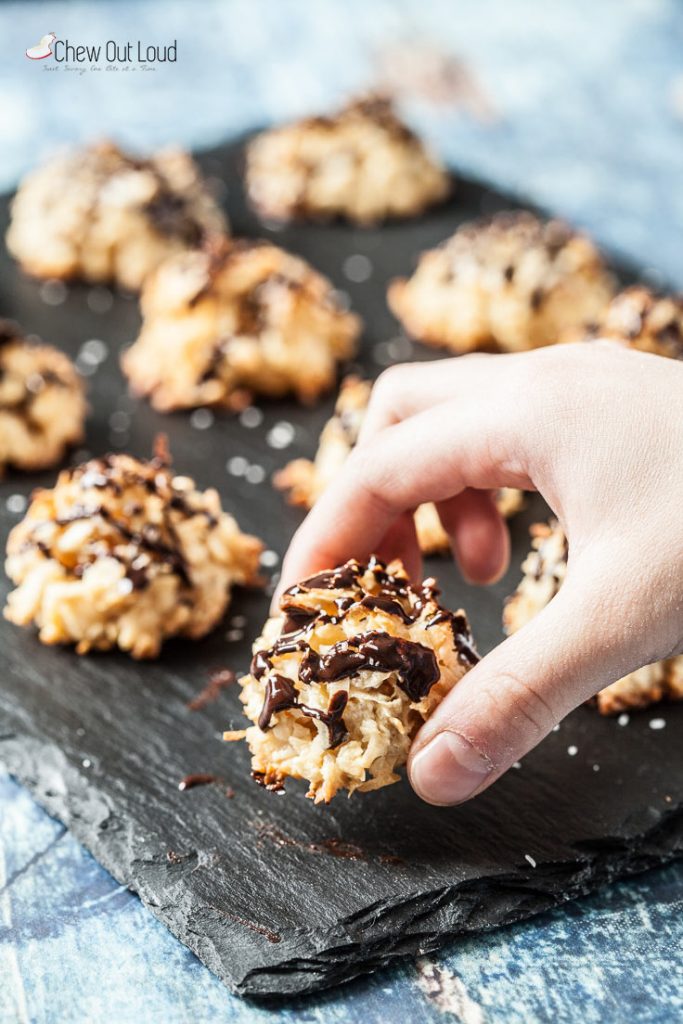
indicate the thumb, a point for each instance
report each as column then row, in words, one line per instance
column 508, row 702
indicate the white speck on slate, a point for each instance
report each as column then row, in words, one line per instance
column 53, row 292
column 342, row 299
column 119, row 421
column 357, row 268
column 281, row 435
column 86, row 762
column 269, row 559
column 517, row 764
column 251, row 417
column 94, row 350
column 85, row 367
column 623, row 719
column 556, row 728
column 201, row 419
column 530, row 859
column 16, row 504
column 657, row 723
column 233, row 635
column 572, row 750
column 596, row 767
column 400, row 347
column 238, row 621
column 237, row 465
column 255, row 474
column 100, row 300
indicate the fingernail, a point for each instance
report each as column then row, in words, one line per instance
column 448, row 770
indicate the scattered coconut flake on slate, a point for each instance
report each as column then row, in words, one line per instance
column 517, row 764
column 357, row 268
column 342, row 299
column 201, row 419
column 237, row 465
column 255, row 474
column 238, row 621
column 572, row 750
column 86, row 762
column 119, row 421
column 234, row 635
column 251, row 417
column 281, row 435
column 400, row 347
column 269, row 559
column 95, row 350
column 16, row 504
column 53, row 292
column 100, row 300
column 381, row 354
column 530, row 859
column 657, row 723
column 623, row 719
column 596, row 767
column 556, row 728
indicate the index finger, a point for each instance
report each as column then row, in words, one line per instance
column 431, row 456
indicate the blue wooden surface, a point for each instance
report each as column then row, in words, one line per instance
column 589, row 102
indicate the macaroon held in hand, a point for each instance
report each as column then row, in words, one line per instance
column 597, row 429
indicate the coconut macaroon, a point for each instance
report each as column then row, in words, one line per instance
column 42, row 402
column 123, row 553
column 345, row 675
column 511, row 282
column 544, row 572
column 236, row 320
column 361, row 163
column 305, row 480
column 102, row 215
column 640, row 319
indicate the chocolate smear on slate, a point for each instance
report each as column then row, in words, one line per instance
column 218, row 681
column 197, row 779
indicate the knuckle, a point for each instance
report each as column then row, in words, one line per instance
column 389, row 384
column 524, row 702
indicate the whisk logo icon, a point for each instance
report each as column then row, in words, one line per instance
column 42, row 49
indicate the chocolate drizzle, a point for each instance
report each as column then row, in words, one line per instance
column 282, row 694
column 144, row 547
column 414, row 664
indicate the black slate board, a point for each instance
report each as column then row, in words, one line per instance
column 252, row 882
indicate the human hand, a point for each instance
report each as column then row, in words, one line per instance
column 597, row 429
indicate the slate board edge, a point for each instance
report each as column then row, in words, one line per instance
column 296, row 967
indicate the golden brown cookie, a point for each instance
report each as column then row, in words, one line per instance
column 42, row 402
column 640, row 319
column 544, row 571
column 123, row 553
column 345, row 675
column 242, row 319
column 362, row 163
column 305, row 480
column 511, row 282
column 100, row 214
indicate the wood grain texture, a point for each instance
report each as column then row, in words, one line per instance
column 102, row 742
